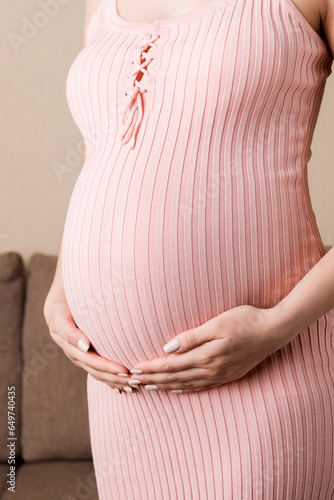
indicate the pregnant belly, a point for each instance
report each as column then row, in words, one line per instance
column 145, row 259
column 133, row 283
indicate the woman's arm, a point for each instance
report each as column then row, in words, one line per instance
column 311, row 298
column 56, row 293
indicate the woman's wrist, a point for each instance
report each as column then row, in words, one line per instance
column 310, row 299
column 283, row 326
column 55, row 295
column 288, row 319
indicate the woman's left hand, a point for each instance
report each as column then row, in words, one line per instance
column 221, row 350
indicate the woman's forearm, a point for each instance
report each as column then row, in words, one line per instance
column 58, row 277
column 310, row 299
column 56, row 292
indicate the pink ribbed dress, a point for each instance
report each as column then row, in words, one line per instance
column 193, row 199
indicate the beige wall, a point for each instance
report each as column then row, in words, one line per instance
column 38, row 133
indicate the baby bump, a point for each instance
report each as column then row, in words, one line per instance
column 147, row 257
column 131, row 285
column 140, row 266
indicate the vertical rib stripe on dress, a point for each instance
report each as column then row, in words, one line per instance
column 193, row 199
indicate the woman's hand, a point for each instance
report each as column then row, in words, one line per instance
column 221, row 350
column 65, row 333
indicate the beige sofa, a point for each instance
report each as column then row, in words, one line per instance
column 51, row 444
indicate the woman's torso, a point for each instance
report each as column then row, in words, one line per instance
column 211, row 207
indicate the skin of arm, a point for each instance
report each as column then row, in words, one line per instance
column 57, row 292
column 310, row 299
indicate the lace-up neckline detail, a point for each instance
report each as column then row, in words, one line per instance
column 133, row 113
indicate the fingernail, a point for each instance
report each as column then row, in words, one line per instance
column 151, row 387
column 176, row 390
column 134, row 382
column 127, row 389
column 122, row 374
column 83, row 346
column 115, row 389
column 172, row 346
column 136, row 371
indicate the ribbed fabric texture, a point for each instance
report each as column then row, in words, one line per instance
column 194, row 199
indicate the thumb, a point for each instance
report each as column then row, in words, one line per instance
column 189, row 339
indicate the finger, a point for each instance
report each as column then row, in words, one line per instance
column 170, row 378
column 189, row 386
column 108, row 378
column 63, row 324
column 173, row 363
column 194, row 337
column 93, row 360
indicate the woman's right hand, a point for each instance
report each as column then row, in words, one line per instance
column 66, row 334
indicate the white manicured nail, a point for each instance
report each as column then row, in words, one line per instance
column 151, row 387
column 136, row 371
column 83, row 346
column 122, row 374
column 117, row 390
column 176, row 390
column 127, row 389
column 134, row 382
column 172, row 346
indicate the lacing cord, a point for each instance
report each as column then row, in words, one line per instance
column 133, row 113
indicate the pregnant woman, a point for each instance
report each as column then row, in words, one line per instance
column 191, row 273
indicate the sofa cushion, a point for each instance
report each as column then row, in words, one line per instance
column 54, row 402
column 55, row 480
column 12, row 286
